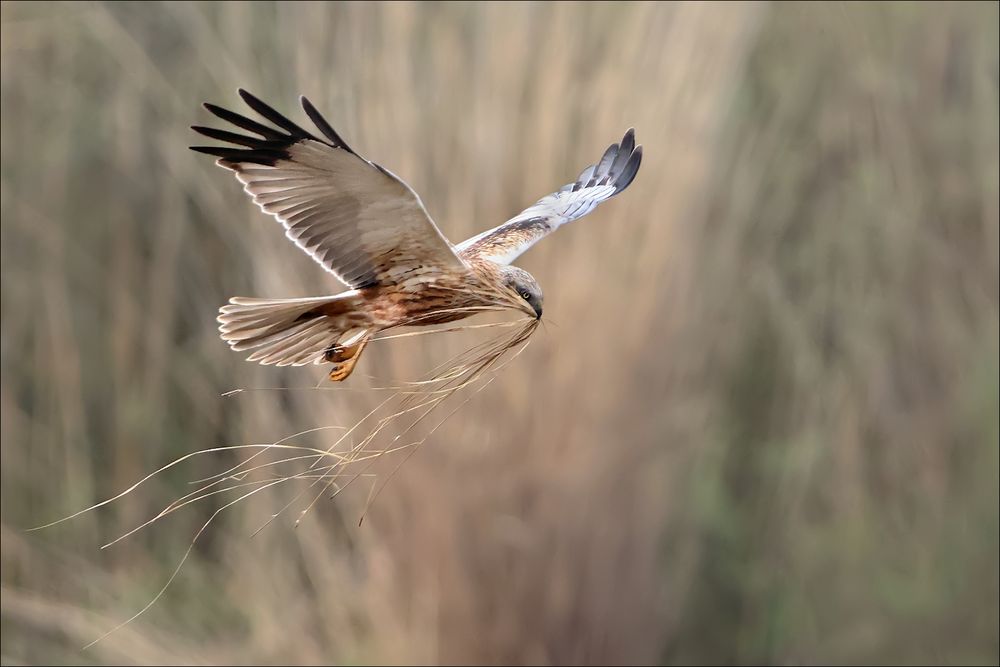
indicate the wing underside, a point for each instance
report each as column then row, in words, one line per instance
column 355, row 218
column 597, row 183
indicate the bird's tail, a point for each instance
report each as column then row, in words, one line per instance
column 295, row 332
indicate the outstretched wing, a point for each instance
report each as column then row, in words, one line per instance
column 359, row 221
column 598, row 182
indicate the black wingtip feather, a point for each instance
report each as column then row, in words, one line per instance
column 271, row 144
column 237, row 156
column 628, row 141
column 628, row 172
column 617, row 166
column 245, row 123
column 603, row 170
column 584, row 178
column 269, row 113
column 234, row 138
column 322, row 124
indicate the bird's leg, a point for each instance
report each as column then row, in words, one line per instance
column 342, row 351
column 337, row 353
column 344, row 357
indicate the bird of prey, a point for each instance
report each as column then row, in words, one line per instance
column 368, row 228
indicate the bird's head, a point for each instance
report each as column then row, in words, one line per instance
column 525, row 286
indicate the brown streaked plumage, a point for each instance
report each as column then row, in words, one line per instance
column 367, row 227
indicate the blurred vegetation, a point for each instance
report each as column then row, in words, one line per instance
column 761, row 424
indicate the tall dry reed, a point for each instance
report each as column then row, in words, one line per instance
column 759, row 424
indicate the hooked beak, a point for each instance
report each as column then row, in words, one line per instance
column 538, row 311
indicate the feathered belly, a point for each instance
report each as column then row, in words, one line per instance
column 426, row 303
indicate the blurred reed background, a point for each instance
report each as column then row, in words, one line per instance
column 761, row 424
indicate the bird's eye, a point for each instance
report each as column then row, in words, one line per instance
column 525, row 295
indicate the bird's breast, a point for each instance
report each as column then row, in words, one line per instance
column 419, row 301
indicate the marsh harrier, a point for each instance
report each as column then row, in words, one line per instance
column 366, row 226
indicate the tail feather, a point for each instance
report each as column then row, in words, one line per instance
column 289, row 332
